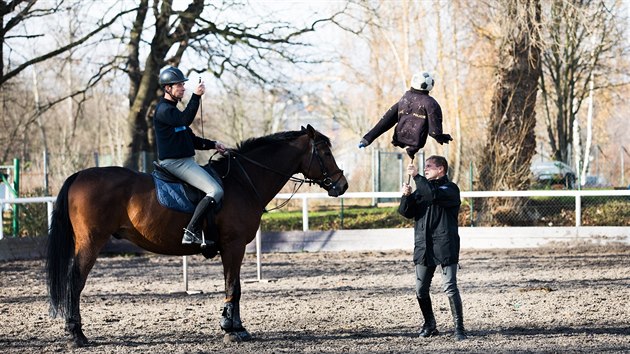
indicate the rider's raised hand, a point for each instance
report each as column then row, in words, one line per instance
column 200, row 89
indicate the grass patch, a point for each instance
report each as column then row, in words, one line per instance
column 336, row 219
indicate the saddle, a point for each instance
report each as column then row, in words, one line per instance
column 175, row 194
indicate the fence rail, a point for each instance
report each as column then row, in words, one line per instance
column 577, row 194
column 305, row 197
column 49, row 208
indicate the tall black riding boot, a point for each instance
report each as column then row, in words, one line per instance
column 192, row 232
column 429, row 328
column 458, row 316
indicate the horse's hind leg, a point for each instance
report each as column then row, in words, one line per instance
column 87, row 249
column 73, row 314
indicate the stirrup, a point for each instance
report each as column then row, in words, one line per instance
column 190, row 238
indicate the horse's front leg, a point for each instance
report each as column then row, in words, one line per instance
column 231, row 322
column 231, row 316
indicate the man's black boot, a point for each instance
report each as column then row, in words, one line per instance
column 458, row 316
column 429, row 328
column 192, row 232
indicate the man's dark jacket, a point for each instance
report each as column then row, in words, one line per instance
column 173, row 135
column 434, row 205
column 418, row 115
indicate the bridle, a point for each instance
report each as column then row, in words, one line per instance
column 326, row 182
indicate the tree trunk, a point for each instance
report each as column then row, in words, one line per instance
column 511, row 139
column 145, row 86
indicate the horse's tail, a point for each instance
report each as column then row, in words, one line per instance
column 60, row 253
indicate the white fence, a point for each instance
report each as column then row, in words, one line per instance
column 577, row 194
column 48, row 200
column 305, row 197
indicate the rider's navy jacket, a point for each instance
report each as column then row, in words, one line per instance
column 434, row 205
column 173, row 135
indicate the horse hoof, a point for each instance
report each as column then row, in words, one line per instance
column 237, row 337
column 244, row 335
column 78, row 343
column 233, row 337
column 78, row 340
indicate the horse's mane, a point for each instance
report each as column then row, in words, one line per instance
column 273, row 139
column 269, row 140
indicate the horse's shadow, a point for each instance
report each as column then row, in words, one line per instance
column 341, row 336
column 266, row 337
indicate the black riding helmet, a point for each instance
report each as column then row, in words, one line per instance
column 171, row 75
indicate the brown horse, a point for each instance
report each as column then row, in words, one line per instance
column 97, row 203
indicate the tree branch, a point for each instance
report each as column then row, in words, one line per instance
column 12, row 73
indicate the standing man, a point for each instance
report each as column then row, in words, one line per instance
column 176, row 149
column 416, row 116
column 434, row 205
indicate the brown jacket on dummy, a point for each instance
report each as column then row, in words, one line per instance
column 416, row 116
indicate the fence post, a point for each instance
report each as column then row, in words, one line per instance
column 45, row 163
column 304, row 214
column 49, row 209
column 341, row 214
column 472, row 203
column 623, row 168
column 578, row 210
column 16, row 188
column 1, row 221
column 185, row 272
column 258, row 252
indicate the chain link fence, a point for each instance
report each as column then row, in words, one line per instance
column 548, row 210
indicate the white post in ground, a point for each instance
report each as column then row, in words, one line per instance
column 258, row 252
column 304, row 214
column 185, row 270
column 185, row 267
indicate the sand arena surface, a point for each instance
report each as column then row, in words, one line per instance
column 568, row 299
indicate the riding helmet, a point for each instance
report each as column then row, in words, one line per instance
column 171, row 75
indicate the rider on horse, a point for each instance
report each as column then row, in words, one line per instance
column 176, row 149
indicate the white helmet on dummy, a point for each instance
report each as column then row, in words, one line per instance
column 422, row 81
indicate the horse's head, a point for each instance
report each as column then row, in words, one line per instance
column 320, row 165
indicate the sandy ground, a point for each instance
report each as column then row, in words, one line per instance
column 564, row 299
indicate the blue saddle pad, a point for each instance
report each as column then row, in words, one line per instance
column 172, row 196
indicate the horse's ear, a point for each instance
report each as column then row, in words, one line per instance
column 303, row 129
column 311, row 130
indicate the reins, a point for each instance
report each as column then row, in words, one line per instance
column 235, row 155
column 326, row 181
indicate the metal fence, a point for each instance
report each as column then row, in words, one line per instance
column 494, row 208
column 516, row 208
column 36, row 216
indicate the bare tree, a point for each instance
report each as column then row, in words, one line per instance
column 33, row 34
column 581, row 37
column 18, row 14
column 247, row 51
